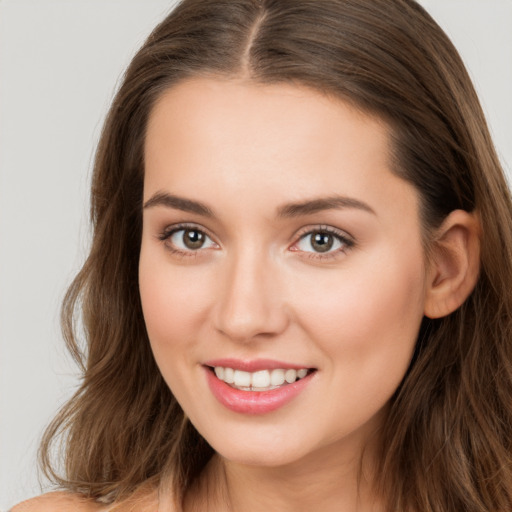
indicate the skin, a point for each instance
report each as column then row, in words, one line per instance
column 257, row 288
column 65, row 502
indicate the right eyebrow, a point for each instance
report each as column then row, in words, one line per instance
column 312, row 206
column 178, row 203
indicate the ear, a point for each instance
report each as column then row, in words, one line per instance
column 454, row 263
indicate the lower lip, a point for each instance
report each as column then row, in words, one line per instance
column 255, row 402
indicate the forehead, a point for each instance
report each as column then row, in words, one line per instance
column 237, row 112
column 279, row 141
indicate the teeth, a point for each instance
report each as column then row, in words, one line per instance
column 277, row 377
column 302, row 373
column 229, row 375
column 262, row 380
column 290, row 376
column 242, row 379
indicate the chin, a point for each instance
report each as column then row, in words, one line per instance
column 261, row 457
column 268, row 445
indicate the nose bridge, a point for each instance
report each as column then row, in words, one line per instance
column 251, row 301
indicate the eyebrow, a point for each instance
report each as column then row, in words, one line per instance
column 179, row 203
column 289, row 210
column 325, row 203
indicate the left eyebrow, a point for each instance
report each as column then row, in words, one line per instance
column 178, row 203
column 324, row 203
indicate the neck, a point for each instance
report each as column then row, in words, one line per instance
column 321, row 481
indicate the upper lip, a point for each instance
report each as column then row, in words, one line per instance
column 253, row 365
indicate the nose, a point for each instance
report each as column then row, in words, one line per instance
column 250, row 304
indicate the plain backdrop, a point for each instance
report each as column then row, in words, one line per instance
column 60, row 62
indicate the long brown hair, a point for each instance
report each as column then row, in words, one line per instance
column 447, row 444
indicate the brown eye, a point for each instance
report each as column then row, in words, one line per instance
column 321, row 241
column 193, row 239
column 188, row 239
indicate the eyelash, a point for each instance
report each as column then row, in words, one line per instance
column 168, row 232
column 345, row 240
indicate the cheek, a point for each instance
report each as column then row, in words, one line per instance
column 367, row 328
column 366, row 321
column 174, row 302
column 380, row 301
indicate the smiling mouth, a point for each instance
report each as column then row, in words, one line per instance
column 262, row 380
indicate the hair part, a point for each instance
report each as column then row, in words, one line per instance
column 447, row 442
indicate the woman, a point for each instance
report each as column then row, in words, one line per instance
column 299, row 289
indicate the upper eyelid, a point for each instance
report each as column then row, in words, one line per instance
column 299, row 234
column 346, row 239
column 324, row 228
column 173, row 228
column 165, row 237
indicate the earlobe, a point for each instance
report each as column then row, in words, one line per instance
column 454, row 263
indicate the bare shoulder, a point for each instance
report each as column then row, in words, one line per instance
column 59, row 502
column 144, row 500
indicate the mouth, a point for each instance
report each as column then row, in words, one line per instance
column 261, row 380
column 256, row 387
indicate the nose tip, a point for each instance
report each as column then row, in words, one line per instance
column 250, row 305
column 242, row 327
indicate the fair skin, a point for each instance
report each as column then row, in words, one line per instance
column 257, row 288
column 274, row 229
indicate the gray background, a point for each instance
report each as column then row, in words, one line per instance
column 60, row 61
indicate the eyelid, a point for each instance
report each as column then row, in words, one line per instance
column 165, row 235
column 172, row 228
column 344, row 237
column 315, row 228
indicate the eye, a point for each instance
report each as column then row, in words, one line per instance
column 187, row 239
column 323, row 241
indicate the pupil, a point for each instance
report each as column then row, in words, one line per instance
column 193, row 239
column 322, row 242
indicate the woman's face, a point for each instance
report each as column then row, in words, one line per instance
column 277, row 245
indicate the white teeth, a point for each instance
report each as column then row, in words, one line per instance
column 302, row 373
column 290, row 376
column 261, row 380
column 229, row 375
column 277, row 377
column 242, row 379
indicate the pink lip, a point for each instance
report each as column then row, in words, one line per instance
column 254, row 402
column 253, row 366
